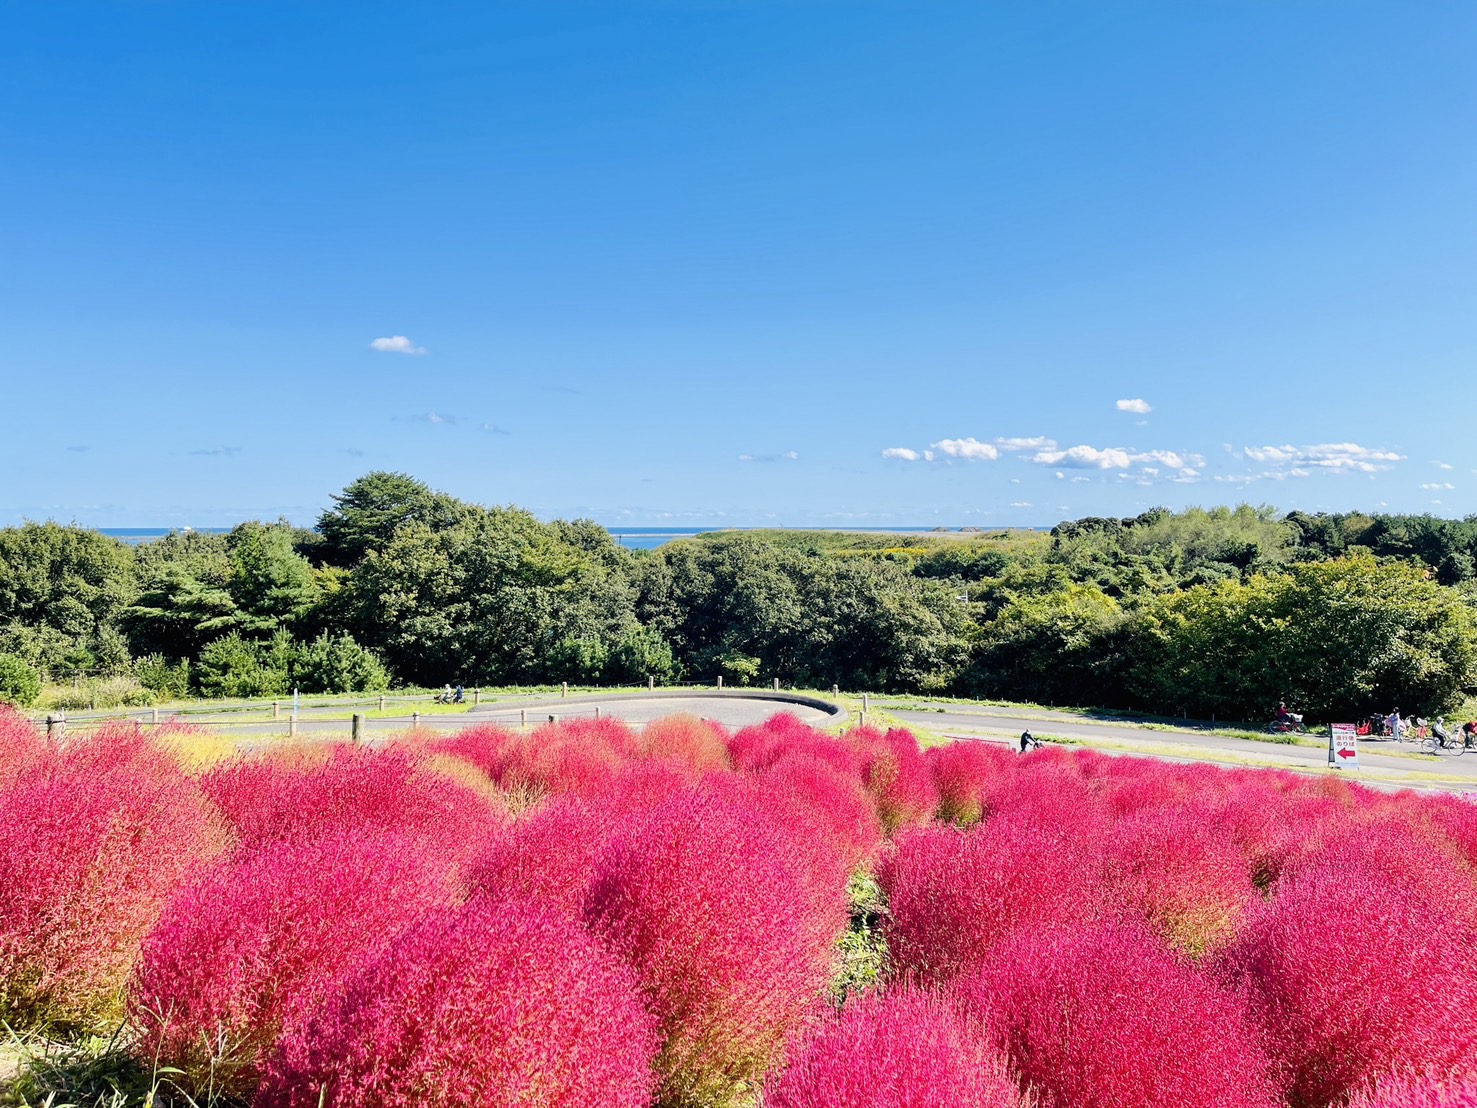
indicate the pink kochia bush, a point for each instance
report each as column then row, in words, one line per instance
column 93, row 839
column 1105, row 1017
column 962, row 771
column 1455, row 1091
column 1355, row 976
column 500, row 1004
column 702, row 901
column 21, row 745
column 1181, row 877
column 896, row 775
column 953, row 895
column 338, row 788
column 245, row 953
column 907, row 1048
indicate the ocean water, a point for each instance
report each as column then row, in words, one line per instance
column 633, row 538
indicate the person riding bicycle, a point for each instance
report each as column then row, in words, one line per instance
column 1283, row 715
column 1027, row 741
column 1469, row 732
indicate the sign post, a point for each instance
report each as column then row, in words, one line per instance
column 1343, row 746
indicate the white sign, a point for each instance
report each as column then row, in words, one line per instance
column 1343, row 746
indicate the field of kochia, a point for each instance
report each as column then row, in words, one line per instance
column 680, row 916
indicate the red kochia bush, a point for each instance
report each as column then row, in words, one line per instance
column 247, row 951
column 93, row 839
column 1105, row 1017
column 703, row 901
column 908, row 1048
column 835, row 802
column 343, row 788
column 953, row 895
column 962, row 771
column 686, row 740
column 550, row 854
column 1455, row 1091
column 21, row 745
column 501, row 1005
column 1354, row 976
column 1187, row 882
column 896, row 775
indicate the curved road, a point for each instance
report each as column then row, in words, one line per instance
column 1384, row 763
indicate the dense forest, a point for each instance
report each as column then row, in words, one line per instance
column 1220, row 612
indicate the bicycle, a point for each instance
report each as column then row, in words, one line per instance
column 1439, row 741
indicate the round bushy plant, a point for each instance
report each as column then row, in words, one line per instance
column 906, row 1048
column 953, row 895
column 500, row 1004
column 962, row 771
column 1354, row 976
column 245, row 953
column 1106, row 1017
column 1190, row 884
column 93, row 839
column 703, row 901
column 340, row 788
column 896, row 775
column 686, row 740
column 1419, row 1091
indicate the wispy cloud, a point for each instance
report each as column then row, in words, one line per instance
column 355, row 452
column 214, row 451
column 397, row 344
column 1116, row 457
column 787, row 456
column 1437, row 486
column 1038, row 442
column 1443, row 465
column 901, row 453
column 969, row 450
column 1346, row 456
column 1020, row 503
column 494, row 429
column 1138, row 406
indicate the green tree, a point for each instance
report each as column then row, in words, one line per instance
column 366, row 515
column 271, row 583
column 1336, row 639
column 234, row 666
column 337, row 664
column 1055, row 647
column 20, row 684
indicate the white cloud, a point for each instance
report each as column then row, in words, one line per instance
column 1347, row 456
column 1443, row 465
column 787, row 456
column 1435, row 486
column 901, row 453
column 1020, row 503
column 1060, row 476
column 790, row 456
column 971, row 450
column 1038, row 442
column 397, row 344
column 1137, row 406
column 1085, row 457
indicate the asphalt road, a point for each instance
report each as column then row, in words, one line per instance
column 1382, row 762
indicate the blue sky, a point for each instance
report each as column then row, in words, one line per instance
column 693, row 263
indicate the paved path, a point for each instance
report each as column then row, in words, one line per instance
column 1383, row 762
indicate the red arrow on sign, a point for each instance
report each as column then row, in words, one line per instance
column 1347, row 754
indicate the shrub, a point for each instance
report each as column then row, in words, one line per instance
column 341, row 788
column 21, row 745
column 686, row 739
column 501, row 1004
column 908, row 1048
column 337, row 664
column 1392, row 987
column 700, row 899
column 20, row 684
column 961, row 772
column 572, row 757
column 1105, row 1017
column 237, row 667
column 159, row 676
column 550, row 855
column 954, row 895
column 246, row 952
column 833, row 801
column 1187, row 882
column 93, row 839
column 1408, row 1091
column 896, row 775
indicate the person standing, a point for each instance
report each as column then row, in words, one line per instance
column 1396, row 726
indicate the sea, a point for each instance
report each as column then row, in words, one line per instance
column 633, row 538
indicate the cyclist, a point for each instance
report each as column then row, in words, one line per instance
column 1027, row 741
column 1469, row 732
